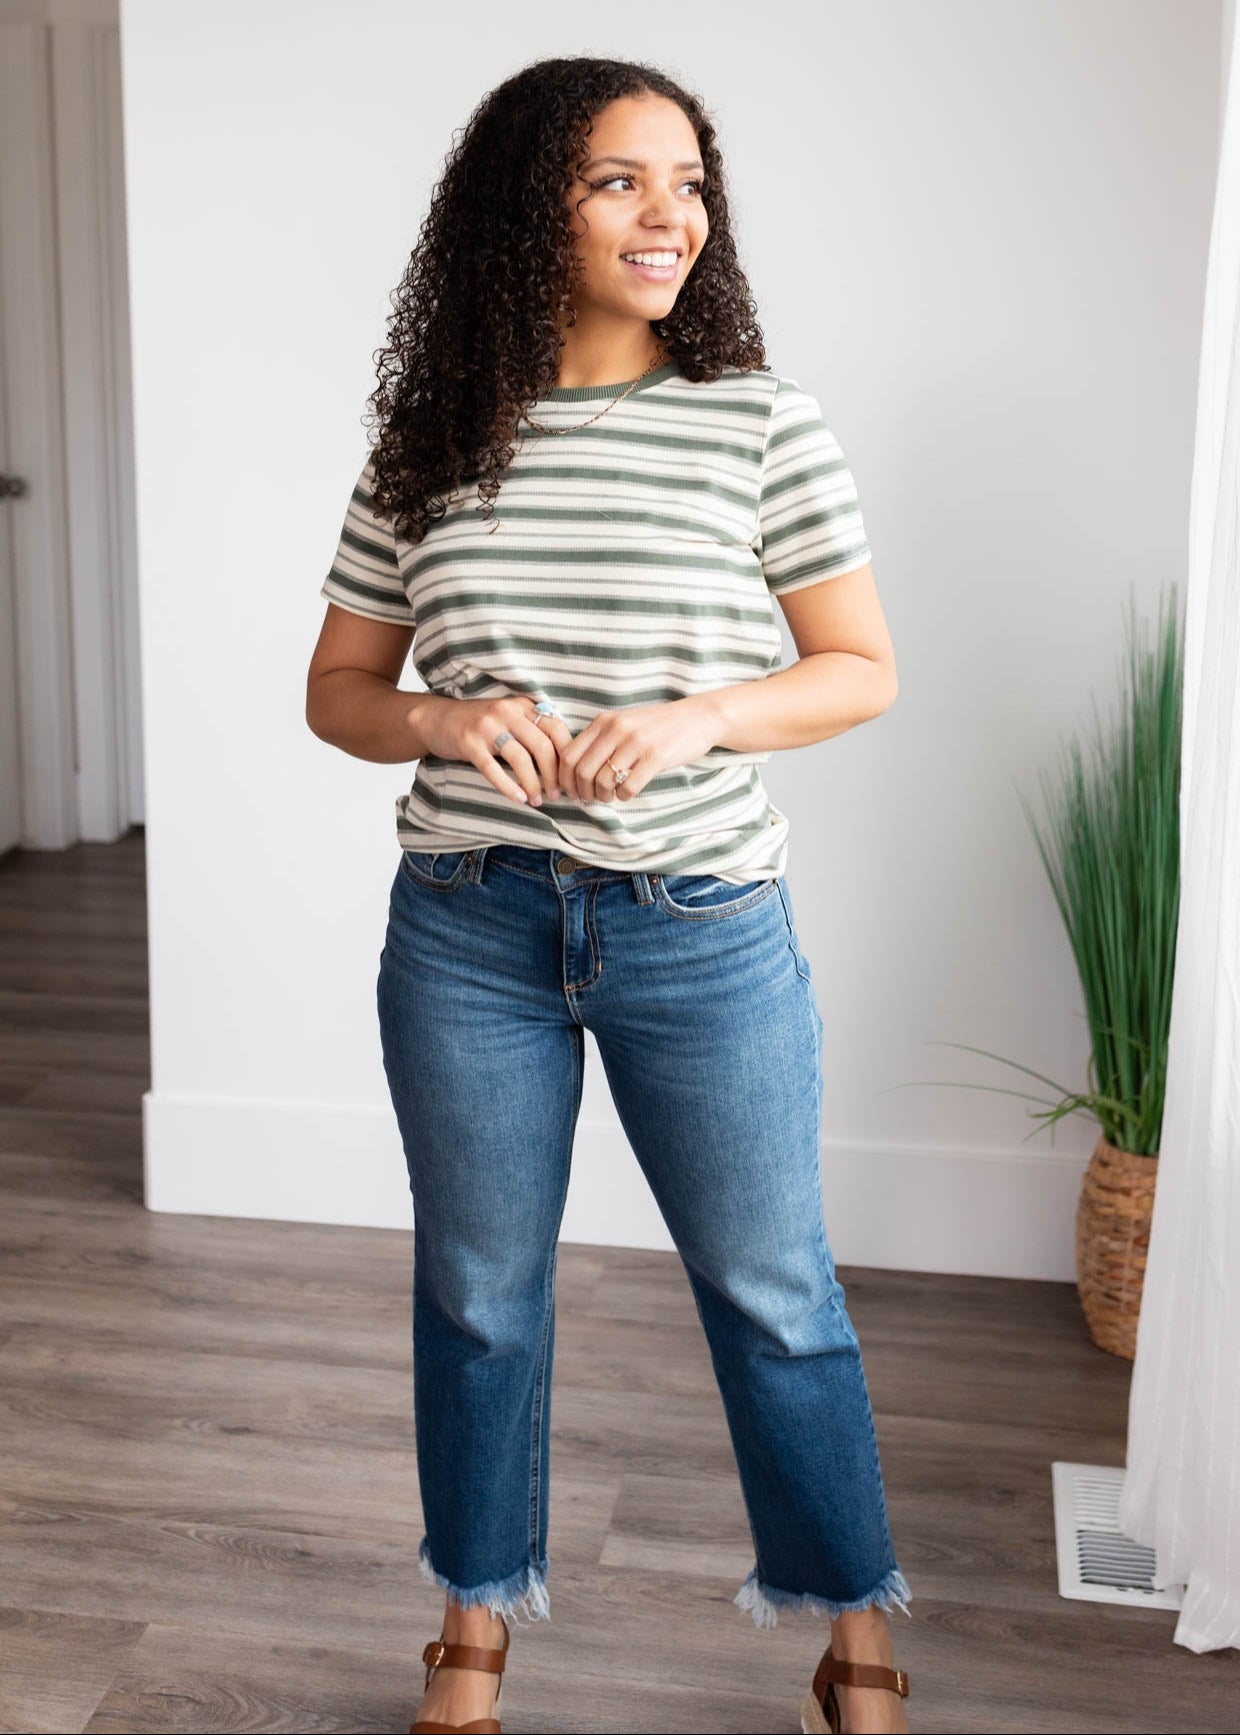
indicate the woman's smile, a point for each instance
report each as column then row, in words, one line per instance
column 662, row 272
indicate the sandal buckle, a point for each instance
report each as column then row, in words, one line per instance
column 433, row 1655
column 902, row 1683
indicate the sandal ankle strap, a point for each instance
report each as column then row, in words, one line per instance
column 833, row 1669
column 465, row 1656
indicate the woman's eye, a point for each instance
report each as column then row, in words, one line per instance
column 612, row 179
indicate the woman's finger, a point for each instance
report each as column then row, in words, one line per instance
column 535, row 733
column 595, row 777
column 559, row 737
column 511, row 767
column 502, row 773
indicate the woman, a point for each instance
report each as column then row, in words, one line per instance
column 587, row 842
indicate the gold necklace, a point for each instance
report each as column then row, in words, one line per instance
column 659, row 360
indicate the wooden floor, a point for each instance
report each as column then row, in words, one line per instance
column 208, row 1502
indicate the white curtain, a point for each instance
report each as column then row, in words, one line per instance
column 1181, row 1493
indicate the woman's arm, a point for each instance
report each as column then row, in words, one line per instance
column 352, row 700
column 845, row 675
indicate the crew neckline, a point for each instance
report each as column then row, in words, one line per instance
column 580, row 394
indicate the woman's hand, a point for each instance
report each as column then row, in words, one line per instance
column 526, row 768
column 545, row 759
column 644, row 739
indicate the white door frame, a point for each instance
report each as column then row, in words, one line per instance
column 30, row 333
column 65, row 336
column 97, row 393
column 12, row 820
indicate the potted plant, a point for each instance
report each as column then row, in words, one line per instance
column 1113, row 857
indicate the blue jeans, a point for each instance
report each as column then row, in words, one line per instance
column 701, row 1003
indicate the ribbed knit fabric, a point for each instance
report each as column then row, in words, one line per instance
column 630, row 563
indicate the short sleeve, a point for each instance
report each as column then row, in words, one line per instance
column 365, row 575
column 809, row 517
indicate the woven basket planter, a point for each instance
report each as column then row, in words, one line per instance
column 1112, row 1240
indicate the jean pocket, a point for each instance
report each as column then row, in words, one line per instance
column 440, row 870
column 705, row 897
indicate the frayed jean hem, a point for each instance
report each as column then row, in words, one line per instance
column 523, row 1592
column 764, row 1601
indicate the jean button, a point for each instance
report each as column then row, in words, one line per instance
column 567, row 864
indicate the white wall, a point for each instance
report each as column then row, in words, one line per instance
column 979, row 234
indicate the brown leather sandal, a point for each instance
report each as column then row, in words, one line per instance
column 465, row 1657
column 820, row 1714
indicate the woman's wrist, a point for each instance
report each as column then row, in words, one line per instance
column 421, row 716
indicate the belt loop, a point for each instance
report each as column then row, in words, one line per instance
column 641, row 885
column 476, row 862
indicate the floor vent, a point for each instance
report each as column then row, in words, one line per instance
column 1097, row 1562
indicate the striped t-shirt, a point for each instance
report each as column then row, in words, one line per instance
column 634, row 562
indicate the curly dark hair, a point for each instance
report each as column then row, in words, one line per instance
column 474, row 339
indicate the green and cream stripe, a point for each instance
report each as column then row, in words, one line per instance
column 631, row 562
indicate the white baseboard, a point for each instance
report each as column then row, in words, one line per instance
column 986, row 1214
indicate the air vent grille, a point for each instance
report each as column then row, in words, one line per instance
column 1097, row 1562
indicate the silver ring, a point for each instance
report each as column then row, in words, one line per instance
column 501, row 739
